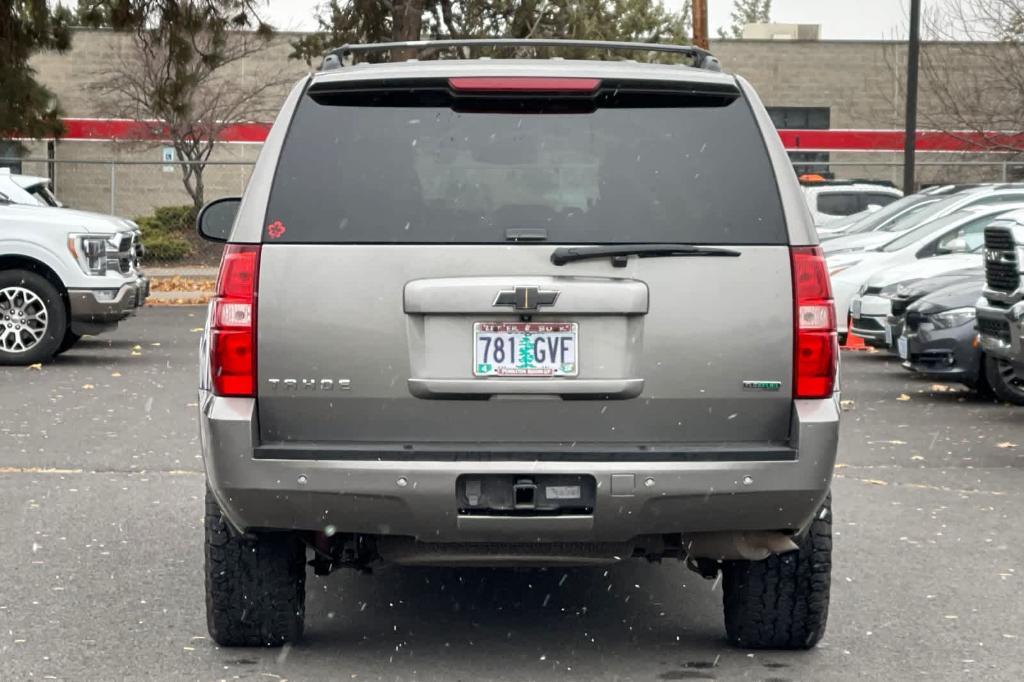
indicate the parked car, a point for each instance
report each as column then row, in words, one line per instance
column 960, row 232
column 906, row 293
column 940, row 341
column 831, row 200
column 872, row 304
column 63, row 274
column 861, row 223
column 978, row 196
column 26, row 189
column 490, row 242
column 1001, row 308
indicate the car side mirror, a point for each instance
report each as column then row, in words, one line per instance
column 874, row 207
column 216, row 218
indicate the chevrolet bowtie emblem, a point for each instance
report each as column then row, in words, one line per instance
column 525, row 298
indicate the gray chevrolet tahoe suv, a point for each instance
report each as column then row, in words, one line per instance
column 520, row 312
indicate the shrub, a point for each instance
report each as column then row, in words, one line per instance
column 169, row 219
column 163, row 247
column 166, row 234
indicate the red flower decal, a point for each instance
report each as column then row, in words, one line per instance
column 275, row 229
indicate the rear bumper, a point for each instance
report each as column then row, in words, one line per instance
column 418, row 498
column 93, row 310
column 1009, row 343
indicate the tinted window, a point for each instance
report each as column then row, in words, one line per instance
column 419, row 174
column 839, row 203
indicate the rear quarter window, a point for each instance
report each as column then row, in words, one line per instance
column 435, row 174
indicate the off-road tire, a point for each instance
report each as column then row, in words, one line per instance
column 782, row 602
column 69, row 341
column 255, row 585
column 56, row 314
column 1000, row 384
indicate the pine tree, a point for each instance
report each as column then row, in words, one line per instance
column 365, row 21
column 27, row 107
column 525, row 352
column 746, row 12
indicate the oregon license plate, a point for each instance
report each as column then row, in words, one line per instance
column 525, row 349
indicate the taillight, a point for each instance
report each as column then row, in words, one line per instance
column 815, row 349
column 233, row 322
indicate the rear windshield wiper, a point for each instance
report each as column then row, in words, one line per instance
column 618, row 253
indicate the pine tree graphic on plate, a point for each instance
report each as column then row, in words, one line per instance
column 525, row 352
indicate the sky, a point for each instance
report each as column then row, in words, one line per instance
column 839, row 19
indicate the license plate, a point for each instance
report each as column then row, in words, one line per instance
column 888, row 335
column 901, row 347
column 855, row 308
column 525, row 349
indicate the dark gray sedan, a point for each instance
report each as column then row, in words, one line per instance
column 939, row 340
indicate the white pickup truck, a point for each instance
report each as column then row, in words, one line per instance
column 63, row 273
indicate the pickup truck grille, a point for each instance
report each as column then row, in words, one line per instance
column 999, row 329
column 1001, row 266
column 126, row 256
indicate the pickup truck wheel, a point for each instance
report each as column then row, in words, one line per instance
column 32, row 318
column 70, row 339
column 1005, row 380
column 255, row 585
column 782, row 602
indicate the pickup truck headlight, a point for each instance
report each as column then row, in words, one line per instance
column 90, row 250
column 952, row 318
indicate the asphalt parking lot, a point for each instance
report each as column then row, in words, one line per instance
column 101, row 487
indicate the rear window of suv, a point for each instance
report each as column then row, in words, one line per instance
column 437, row 174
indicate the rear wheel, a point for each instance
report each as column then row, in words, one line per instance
column 1005, row 380
column 255, row 585
column 32, row 318
column 782, row 602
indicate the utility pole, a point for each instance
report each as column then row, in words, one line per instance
column 700, row 23
column 913, row 59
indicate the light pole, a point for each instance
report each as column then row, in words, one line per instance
column 913, row 57
column 700, row 23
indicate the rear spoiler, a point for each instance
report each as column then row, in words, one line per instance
column 344, row 55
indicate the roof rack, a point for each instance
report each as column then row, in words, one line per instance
column 342, row 56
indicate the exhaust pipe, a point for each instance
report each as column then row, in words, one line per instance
column 749, row 545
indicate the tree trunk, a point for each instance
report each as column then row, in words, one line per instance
column 407, row 24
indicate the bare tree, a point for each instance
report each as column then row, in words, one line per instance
column 186, row 83
column 972, row 82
